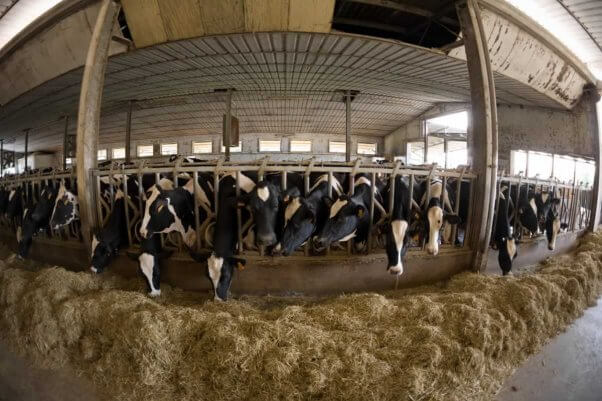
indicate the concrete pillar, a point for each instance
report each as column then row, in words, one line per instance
column 591, row 97
column 484, row 129
column 88, row 118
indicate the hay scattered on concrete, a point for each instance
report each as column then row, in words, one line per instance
column 454, row 341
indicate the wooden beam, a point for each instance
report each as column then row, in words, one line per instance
column 406, row 8
column 370, row 24
column 453, row 45
column 88, row 118
column 483, row 130
column 591, row 97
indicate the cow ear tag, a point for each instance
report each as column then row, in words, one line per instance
column 360, row 213
column 240, row 266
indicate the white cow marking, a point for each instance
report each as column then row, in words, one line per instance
column 291, row 209
column 19, row 235
column 533, row 205
column 263, row 193
column 399, row 228
column 201, row 196
column 348, row 237
column 119, row 194
column 94, row 244
column 214, row 265
column 25, row 212
column 143, row 227
column 362, row 181
column 93, row 269
column 337, row 206
column 11, row 194
column 511, row 247
column 435, row 218
column 336, row 185
column 544, row 197
column 245, row 183
column 147, row 261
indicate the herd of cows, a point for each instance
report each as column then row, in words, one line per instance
column 283, row 220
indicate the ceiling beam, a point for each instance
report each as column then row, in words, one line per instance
column 370, row 24
column 406, row 8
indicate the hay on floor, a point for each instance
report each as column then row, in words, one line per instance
column 453, row 341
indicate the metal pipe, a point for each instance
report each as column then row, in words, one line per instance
column 348, row 126
column 238, row 214
column 128, row 133
column 127, row 207
column 228, row 136
column 65, row 142
column 1, row 157
column 195, row 177
column 370, row 223
column 26, row 146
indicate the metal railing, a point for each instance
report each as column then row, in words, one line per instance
column 219, row 168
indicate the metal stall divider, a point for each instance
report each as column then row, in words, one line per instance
column 457, row 205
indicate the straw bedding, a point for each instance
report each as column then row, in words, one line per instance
column 453, row 341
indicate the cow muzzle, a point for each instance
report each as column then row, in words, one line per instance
column 266, row 239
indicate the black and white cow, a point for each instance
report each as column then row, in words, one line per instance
column 66, row 207
column 552, row 225
column 107, row 242
column 527, row 208
column 503, row 237
column 222, row 261
column 149, row 262
column 397, row 228
column 305, row 216
column 266, row 203
column 438, row 209
column 36, row 219
column 348, row 216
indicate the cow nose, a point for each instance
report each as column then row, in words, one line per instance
column 396, row 270
column 266, row 239
column 551, row 247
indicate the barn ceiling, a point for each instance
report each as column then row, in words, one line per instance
column 284, row 82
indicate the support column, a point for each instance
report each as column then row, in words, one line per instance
column 25, row 152
column 128, row 133
column 228, row 133
column 65, row 142
column 348, row 126
column 1, row 157
column 483, row 129
column 591, row 97
column 88, row 118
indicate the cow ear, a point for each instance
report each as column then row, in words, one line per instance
column 452, row 218
column 327, row 201
column 360, row 210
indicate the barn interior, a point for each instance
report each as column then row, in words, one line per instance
column 474, row 90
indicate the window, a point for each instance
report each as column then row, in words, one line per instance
column 456, row 123
column 585, row 171
column 366, row 149
column 169, row 149
column 102, row 154
column 564, row 168
column 145, row 150
column 269, row 146
column 336, row 147
column 300, row 146
column 436, row 151
column 202, row 147
column 233, row 149
column 518, row 162
column 457, row 154
column 118, row 153
column 539, row 165
column 415, row 152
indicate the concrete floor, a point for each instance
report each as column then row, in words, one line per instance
column 569, row 368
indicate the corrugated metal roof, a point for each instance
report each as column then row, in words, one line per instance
column 576, row 23
column 285, row 83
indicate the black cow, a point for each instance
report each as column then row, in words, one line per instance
column 36, row 219
column 506, row 243
column 348, row 216
column 438, row 210
column 397, row 240
column 304, row 216
column 221, row 262
column 4, row 193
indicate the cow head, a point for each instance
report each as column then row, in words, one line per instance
column 430, row 223
column 66, row 208
column 102, row 253
column 344, row 217
column 149, row 260
column 507, row 252
column 220, row 271
column 264, row 202
column 157, row 215
column 552, row 224
column 527, row 214
column 299, row 227
column 397, row 245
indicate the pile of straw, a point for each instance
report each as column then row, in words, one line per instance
column 454, row 341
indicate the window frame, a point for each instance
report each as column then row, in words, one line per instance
column 163, row 153
column 145, row 146
column 270, row 140
column 113, row 157
column 205, row 143
column 98, row 158
column 338, row 143
column 364, row 153
column 304, row 141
